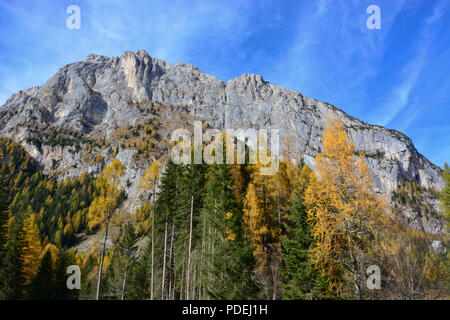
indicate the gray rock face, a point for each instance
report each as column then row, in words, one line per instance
column 96, row 95
column 438, row 246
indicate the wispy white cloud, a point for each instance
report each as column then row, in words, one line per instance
column 173, row 31
column 333, row 54
column 411, row 72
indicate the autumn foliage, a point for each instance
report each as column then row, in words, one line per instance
column 344, row 209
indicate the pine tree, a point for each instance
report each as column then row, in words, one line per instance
column 140, row 279
column 227, row 241
column 42, row 286
column 122, row 263
column 11, row 277
column 301, row 280
column 65, row 258
column 167, row 207
column 4, row 213
column 191, row 188
column 178, row 229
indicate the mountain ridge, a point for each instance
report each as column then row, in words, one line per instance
column 99, row 95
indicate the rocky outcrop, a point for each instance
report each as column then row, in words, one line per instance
column 97, row 95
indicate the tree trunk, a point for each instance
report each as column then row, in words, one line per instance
column 203, row 257
column 171, row 257
column 356, row 278
column 153, row 242
column 123, row 285
column 182, row 280
column 174, row 287
column 97, row 296
column 189, row 252
column 164, row 263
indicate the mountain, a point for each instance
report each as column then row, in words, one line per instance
column 92, row 111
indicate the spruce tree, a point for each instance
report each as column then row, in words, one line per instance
column 11, row 278
column 167, row 208
column 178, row 230
column 65, row 259
column 4, row 214
column 139, row 287
column 301, row 281
column 229, row 271
column 42, row 286
column 122, row 263
column 190, row 197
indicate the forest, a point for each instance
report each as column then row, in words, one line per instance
column 219, row 231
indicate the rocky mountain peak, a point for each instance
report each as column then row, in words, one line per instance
column 96, row 96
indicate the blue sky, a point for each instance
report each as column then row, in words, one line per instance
column 397, row 76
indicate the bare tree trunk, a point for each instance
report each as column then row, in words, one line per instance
column 278, row 207
column 194, row 275
column 97, row 296
column 153, row 241
column 356, row 278
column 123, row 285
column 171, row 257
column 182, row 280
column 174, row 276
column 274, row 280
column 203, row 257
column 189, row 252
column 164, row 263
column 208, row 262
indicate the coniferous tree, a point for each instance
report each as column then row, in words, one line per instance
column 178, row 230
column 190, row 198
column 301, row 280
column 30, row 246
column 227, row 242
column 62, row 292
column 260, row 215
column 346, row 214
column 122, row 263
column 42, row 286
column 140, row 279
column 11, row 277
column 88, row 279
column 4, row 213
column 149, row 182
column 102, row 208
column 166, row 208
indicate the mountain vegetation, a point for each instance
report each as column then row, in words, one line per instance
column 220, row 231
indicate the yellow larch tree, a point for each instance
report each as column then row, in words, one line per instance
column 149, row 182
column 31, row 246
column 261, row 218
column 54, row 253
column 345, row 212
column 103, row 206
